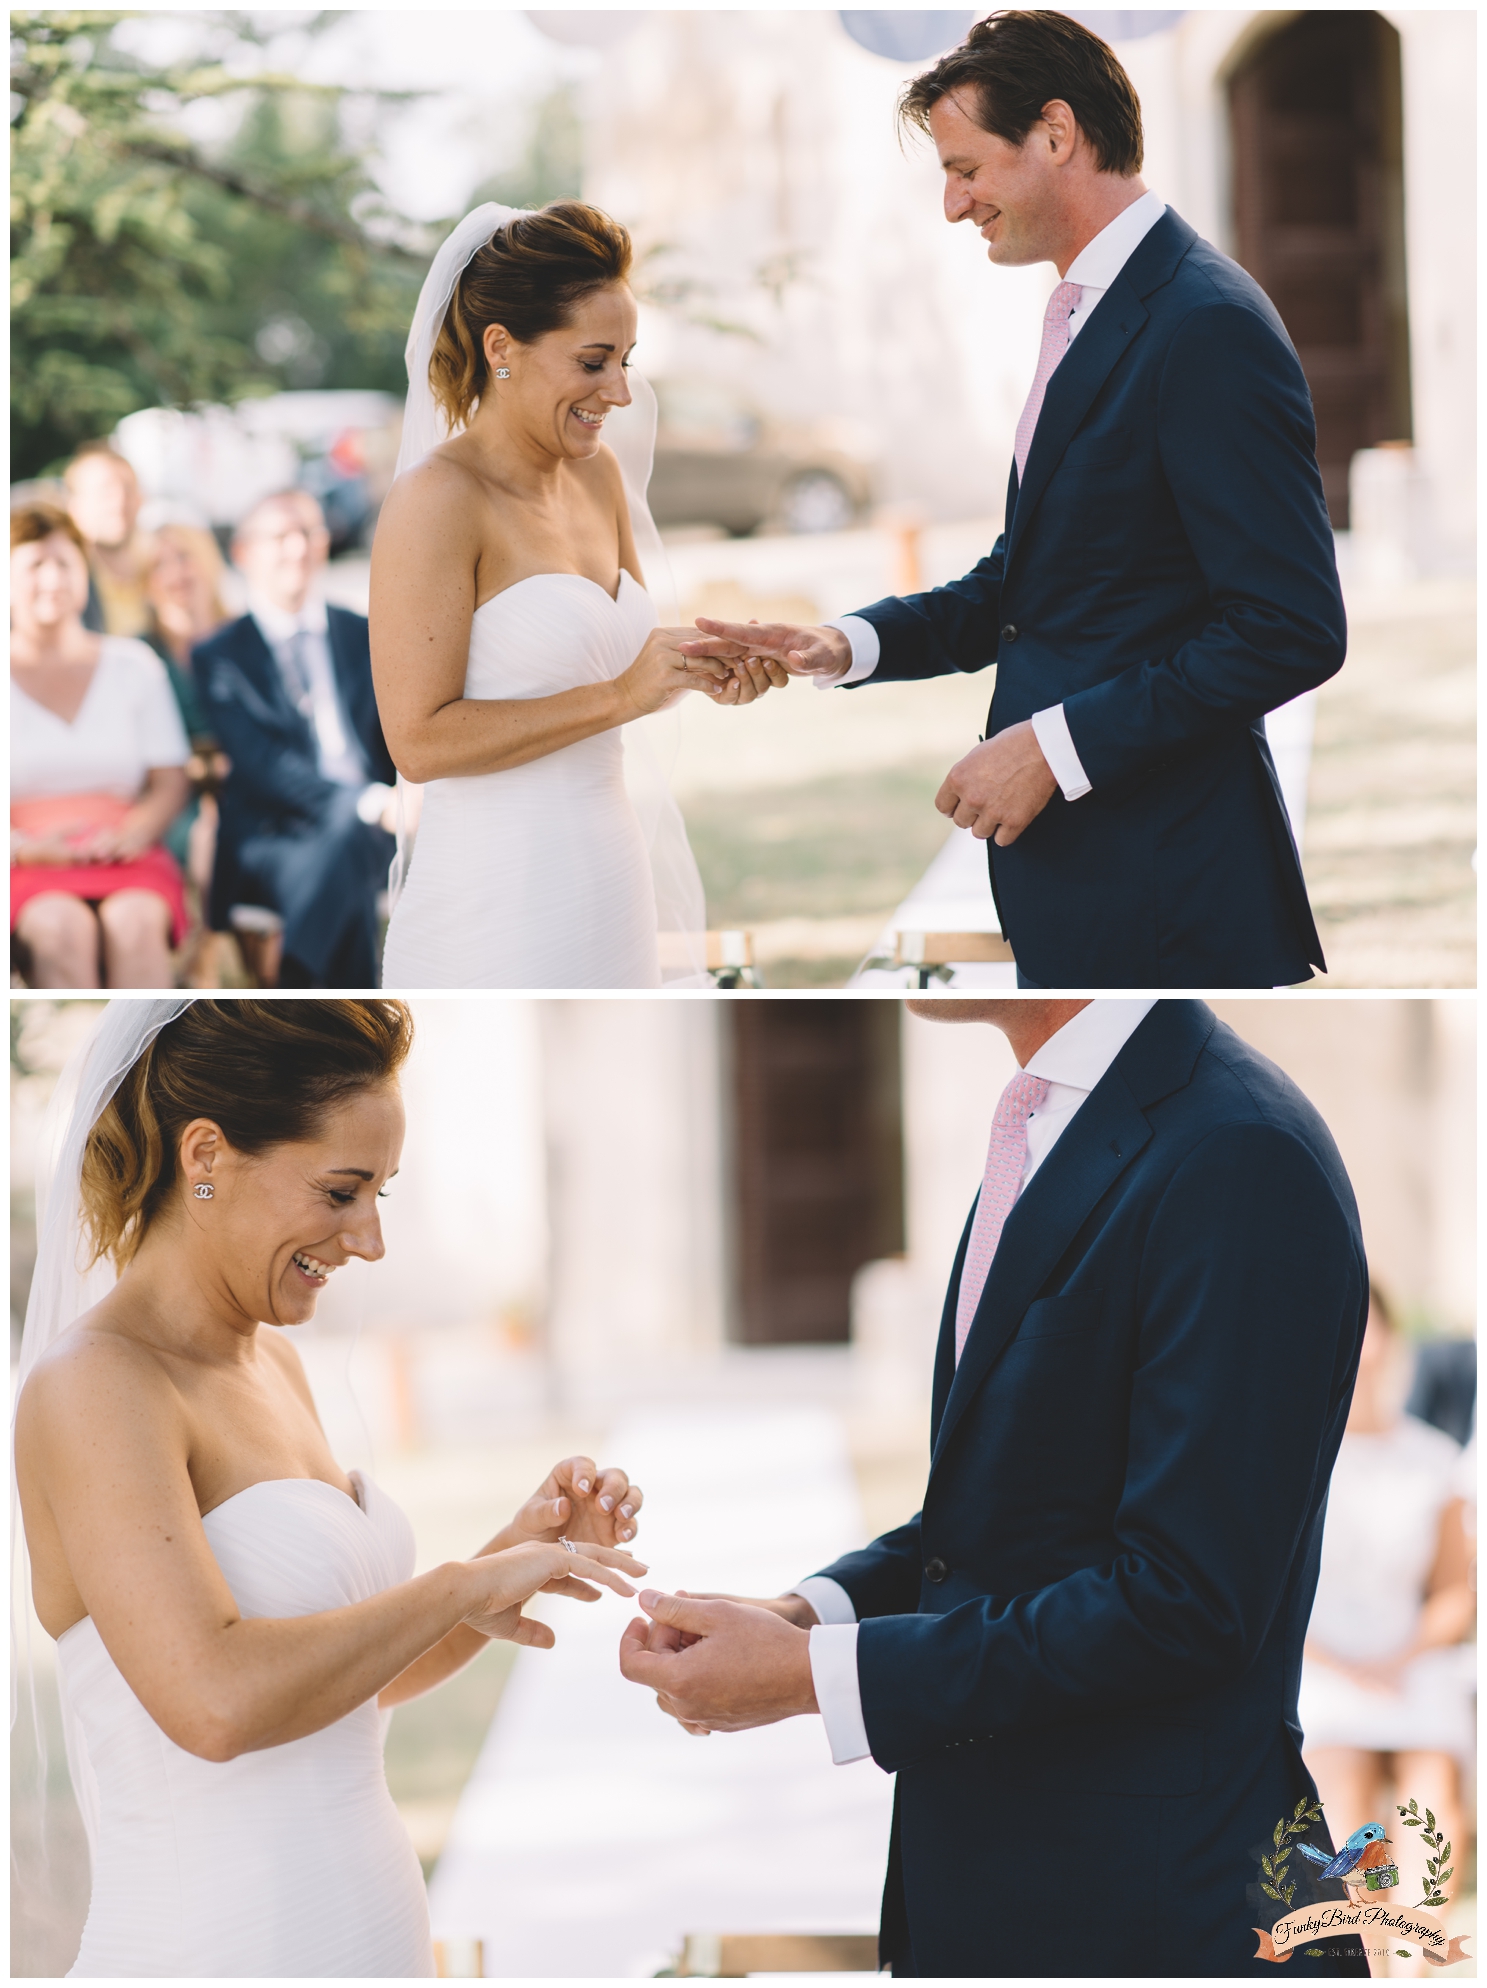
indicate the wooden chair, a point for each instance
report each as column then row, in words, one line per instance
column 933, row 952
column 727, row 956
column 260, row 936
column 730, row 1956
column 459, row 1960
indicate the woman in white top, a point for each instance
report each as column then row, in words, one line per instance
column 1386, row 1681
column 233, row 1610
column 97, row 774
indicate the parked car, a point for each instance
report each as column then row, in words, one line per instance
column 218, row 461
column 719, row 461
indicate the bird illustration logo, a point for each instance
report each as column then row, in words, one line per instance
column 1363, row 1851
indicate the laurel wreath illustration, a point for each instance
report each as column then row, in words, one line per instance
column 1438, row 1865
column 1275, row 1876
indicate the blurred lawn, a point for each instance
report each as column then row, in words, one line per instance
column 854, row 842
column 845, row 845
column 433, row 1745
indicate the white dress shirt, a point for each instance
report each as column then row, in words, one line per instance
column 1073, row 1060
column 1095, row 268
column 337, row 748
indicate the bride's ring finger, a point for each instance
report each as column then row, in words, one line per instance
column 567, row 1545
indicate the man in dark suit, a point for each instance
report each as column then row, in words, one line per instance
column 304, row 811
column 1081, row 1657
column 1166, row 574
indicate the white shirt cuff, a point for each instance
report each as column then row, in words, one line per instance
column 866, row 649
column 372, row 800
column 838, row 1694
column 827, row 1597
column 1051, row 730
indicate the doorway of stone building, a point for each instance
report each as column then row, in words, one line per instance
column 1317, row 129
column 817, row 1152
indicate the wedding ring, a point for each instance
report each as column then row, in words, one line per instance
column 567, row 1546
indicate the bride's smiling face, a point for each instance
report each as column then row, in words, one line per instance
column 280, row 1223
column 563, row 384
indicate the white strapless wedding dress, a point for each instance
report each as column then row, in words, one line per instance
column 288, row 1861
column 541, row 875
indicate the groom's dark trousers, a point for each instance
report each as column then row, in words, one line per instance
column 1081, row 1658
column 1167, row 574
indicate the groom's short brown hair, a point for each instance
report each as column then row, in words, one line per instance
column 1014, row 62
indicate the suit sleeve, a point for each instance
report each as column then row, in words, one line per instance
column 1250, row 1307
column 365, row 717
column 1238, row 448
column 270, row 775
column 954, row 627
column 884, row 1578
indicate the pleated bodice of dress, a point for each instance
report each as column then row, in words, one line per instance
column 291, row 1860
column 539, row 875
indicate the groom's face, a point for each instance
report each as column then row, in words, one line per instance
column 1012, row 194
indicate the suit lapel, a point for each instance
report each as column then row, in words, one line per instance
column 263, row 680
column 1076, row 380
column 945, row 1345
column 1090, row 360
column 1105, row 1135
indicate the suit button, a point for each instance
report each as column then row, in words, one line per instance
column 1009, row 633
column 935, row 1571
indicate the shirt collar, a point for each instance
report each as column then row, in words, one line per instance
column 1086, row 1046
column 278, row 626
column 1099, row 262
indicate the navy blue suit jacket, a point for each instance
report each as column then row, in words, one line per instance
column 276, row 786
column 1081, row 1658
column 1168, row 575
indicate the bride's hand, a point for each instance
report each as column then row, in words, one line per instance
column 502, row 1582
column 660, row 673
column 586, row 1503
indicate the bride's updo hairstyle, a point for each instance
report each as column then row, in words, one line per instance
column 530, row 277
column 266, row 1072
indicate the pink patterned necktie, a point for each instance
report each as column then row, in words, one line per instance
column 1061, row 307
column 1006, row 1157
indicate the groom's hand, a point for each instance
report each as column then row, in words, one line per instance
column 719, row 1666
column 1000, row 787
column 802, row 651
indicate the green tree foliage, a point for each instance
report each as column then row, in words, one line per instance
column 551, row 164
column 151, row 269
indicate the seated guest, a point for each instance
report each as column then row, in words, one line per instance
column 1387, row 1676
column 287, row 692
column 97, row 775
column 104, row 497
column 183, row 586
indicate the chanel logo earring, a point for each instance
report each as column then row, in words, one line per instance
column 204, row 1192
column 503, row 372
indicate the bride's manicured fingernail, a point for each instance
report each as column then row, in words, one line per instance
column 583, row 1484
column 627, row 1511
column 606, row 1504
column 628, row 1533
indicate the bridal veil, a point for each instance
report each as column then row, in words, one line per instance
column 64, row 1285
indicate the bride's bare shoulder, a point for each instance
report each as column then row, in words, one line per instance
column 92, row 1373
column 436, row 502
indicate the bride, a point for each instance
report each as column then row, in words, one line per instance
column 512, row 633
column 232, row 1610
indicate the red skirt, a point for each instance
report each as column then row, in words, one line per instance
column 156, row 870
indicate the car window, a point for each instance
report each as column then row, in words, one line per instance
column 699, row 414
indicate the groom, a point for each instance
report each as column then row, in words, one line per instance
column 1166, row 575
column 1081, row 1657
